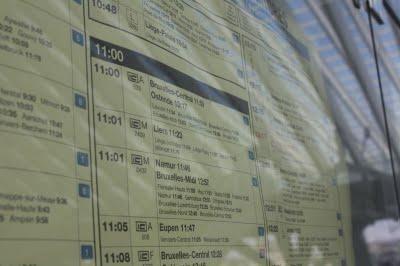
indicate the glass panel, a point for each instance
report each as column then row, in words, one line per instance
column 197, row 133
column 387, row 58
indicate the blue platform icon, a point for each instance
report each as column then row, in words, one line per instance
column 77, row 37
column 246, row 120
column 261, row 231
column 80, row 101
column 240, row 73
column 84, row 190
column 86, row 252
column 251, row 155
column 254, row 181
column 236, row 37
column 82, row 159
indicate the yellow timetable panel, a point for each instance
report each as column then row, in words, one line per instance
column 164, row 132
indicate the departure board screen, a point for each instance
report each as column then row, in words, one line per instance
column 166, row 132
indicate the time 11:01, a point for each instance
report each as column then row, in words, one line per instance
column 109, row 119
column 111, row 156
